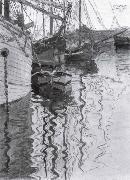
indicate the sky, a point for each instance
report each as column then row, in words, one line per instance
column 121, row 9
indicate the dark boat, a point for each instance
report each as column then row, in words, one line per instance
column 81, row 42
column 122, row 40
column 62, row 81
column 51, row 50
column 84, row 53
column 84, row 45
column 79, row 50
column 51, row 80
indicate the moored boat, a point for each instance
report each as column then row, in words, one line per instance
column 50, row 50
column 122, row 41
column 15, row 59
column 82, row 53
column 62, row 81
column 80, row 44
column 84, row 42
column 51, row 80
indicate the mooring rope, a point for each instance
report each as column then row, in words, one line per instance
column 5, row 53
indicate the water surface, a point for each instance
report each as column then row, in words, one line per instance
column 83, row 134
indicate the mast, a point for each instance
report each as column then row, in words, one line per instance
column 64, row 16
column 43, row 22
column 6, row 9
column 43, row 25
column 80, row 22
column 51, row 20
column 22, row 16
column 39, row 8
column 0, row 7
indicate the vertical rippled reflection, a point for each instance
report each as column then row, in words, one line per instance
column 70, row 136
column 15, row 140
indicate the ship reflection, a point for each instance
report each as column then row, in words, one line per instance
column 44, row 138
column 50, row 117
column 65, row 135
column 15, row 140
column 56, row 111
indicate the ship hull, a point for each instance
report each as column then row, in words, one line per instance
column 121, row 42
column 78, row 56
column 51, row 57
column 50, row 51
column 16, row 67
column 83, row 53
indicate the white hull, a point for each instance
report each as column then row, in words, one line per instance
column 19, row 62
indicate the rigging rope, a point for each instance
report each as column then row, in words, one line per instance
column 87, row 14
column 14, row 13
column 98, row 16
column 90, row 32
column 114, row 16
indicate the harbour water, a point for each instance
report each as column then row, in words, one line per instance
column 79, row 135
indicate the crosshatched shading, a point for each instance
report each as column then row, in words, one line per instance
column 64, row 90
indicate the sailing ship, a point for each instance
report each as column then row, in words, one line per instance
column 80, row 48
column 50, row 50
column 122, row 40
column 49, row 53
column 55, row 80
column 85, row 43
column 15, row 56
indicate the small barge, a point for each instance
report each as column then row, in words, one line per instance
column 49, row 81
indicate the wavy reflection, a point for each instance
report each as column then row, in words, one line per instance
column 5, row 142
column 65, row 145
column 82, row 101
column 53, row 115
column 16, row 144
column 68, row 136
